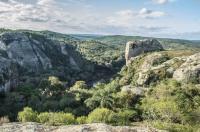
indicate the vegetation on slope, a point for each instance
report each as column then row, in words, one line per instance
column 165, row 104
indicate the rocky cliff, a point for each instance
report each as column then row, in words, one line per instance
column 23, row 53
column 135, row 48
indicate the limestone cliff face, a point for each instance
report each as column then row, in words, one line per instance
column 135, row 48
column 26, row 53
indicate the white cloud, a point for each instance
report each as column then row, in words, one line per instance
column 42, row 15
column 128, row 18
column 46, row 2
column 161, row 1
column 145, row 13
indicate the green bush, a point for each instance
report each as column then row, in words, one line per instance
column 174, row 127
column 27, row 115
column 44, row 117
column 61, row 119
column 125, row 116
column 81, row 120
column 99, row 115
column 122, row 117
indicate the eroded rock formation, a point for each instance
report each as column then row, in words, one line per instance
column 135, row 48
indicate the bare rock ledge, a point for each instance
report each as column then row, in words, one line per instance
column 96, row 127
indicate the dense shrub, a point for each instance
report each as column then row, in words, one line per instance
column 81, row 120
column 27, row 115
column 173, row 103
column 61, row 118
column 122, row 117
column 99, row 115
column 174, row 127
column 44, row 117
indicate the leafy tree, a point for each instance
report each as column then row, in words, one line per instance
column 101, row 98
column 79, row 85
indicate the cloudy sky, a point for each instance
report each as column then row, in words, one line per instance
column 157, row 18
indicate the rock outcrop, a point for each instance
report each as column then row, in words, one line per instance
column 35, row 127
column 135, row 48
column 189, row 71
column 157, row 66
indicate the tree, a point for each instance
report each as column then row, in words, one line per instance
column 79, row 85
column 101, row 98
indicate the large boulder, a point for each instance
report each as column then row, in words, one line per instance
column 135, row 48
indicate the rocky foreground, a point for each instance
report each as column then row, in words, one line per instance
column 98, row 127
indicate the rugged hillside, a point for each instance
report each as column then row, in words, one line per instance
column 59, row 79
column 27, row 54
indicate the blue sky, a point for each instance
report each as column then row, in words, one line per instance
column 156, row 18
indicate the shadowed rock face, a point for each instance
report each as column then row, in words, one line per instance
column 26, row 53
column 135, row 48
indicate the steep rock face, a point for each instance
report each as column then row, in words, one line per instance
column 98, row 127
column 25, row 53
column 135, row 48
column 189, row 71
